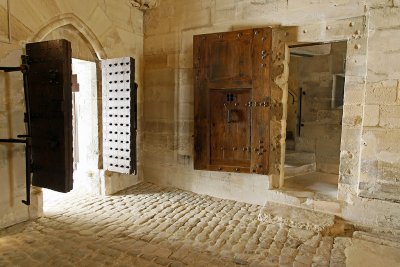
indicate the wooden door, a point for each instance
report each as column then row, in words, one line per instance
column 119, row 115
column 230, row 127
column 50, row 98
column 232, row 92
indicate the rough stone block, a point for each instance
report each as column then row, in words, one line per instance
column 357, row 46
column 258, row 9
column 379, row 3
column 386, row 40
column 390, row 116
column 224, row 15
column 349, row 167
column 350, row 139
column 129, row 19
column 371, row 115
column 384, row 92
column 382, row 67
column 380, row 159
column 224, row 4
column 356, row 65
column 186, row 94
column 155, row 61
column 389, row 171
column 159, row 77
column 161, row 43
column 185, row 61
column 157, row 23
column 99, row 28
column 354, row 90
column 384, row 18
column 196, row 18
column 352, row 115
column 328, row 149
column 306, row 145
column 330, row 116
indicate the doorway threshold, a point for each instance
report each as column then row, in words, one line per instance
column 314, row 191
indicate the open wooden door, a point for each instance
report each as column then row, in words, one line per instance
column 50, row 100
column 232, row 100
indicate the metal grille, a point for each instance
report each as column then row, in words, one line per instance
column 119, row 115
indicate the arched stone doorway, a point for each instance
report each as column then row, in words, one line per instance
column 86, row 53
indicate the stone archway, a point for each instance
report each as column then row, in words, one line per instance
column 87, row 102
column 76, row 23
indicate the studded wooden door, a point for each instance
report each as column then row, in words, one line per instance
column 232, row 100
column 119, row 115
column 50, row 98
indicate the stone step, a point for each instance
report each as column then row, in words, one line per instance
column 299, row 163
column 290, row 144
column 294, row 158
column 371, row 252
column 296, row 217
column 306, row 200
column 378, row 238
column 291, row 171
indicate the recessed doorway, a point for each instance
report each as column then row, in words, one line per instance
column 85, row 133
column 314, row 119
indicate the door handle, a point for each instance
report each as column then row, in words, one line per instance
column 231, row 116
column 228, row 116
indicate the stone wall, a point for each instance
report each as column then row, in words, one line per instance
column 369, row 157
column 97, row 29
column 380, row 149
column 371, row 92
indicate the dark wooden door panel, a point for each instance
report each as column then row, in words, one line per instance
column 230, row 127
column 201, row 113
column 230, row 60
column 232, row 91
column 50, row 97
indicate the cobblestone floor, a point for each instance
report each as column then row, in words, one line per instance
column 150, row 225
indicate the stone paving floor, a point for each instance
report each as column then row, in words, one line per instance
column 149, row 225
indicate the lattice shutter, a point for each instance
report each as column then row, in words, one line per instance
column 119, row 115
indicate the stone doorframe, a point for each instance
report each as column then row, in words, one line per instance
column 355, row 32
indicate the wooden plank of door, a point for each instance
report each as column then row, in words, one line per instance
column 262, row 63
column 201, row 104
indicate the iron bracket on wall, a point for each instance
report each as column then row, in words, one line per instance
column 26, row 138
column 300, row 117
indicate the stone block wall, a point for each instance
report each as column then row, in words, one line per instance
column 380, row 149
column 97, row 29
column 371, row 78
column 369, row 155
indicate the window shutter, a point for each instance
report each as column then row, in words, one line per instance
column 119, row 115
